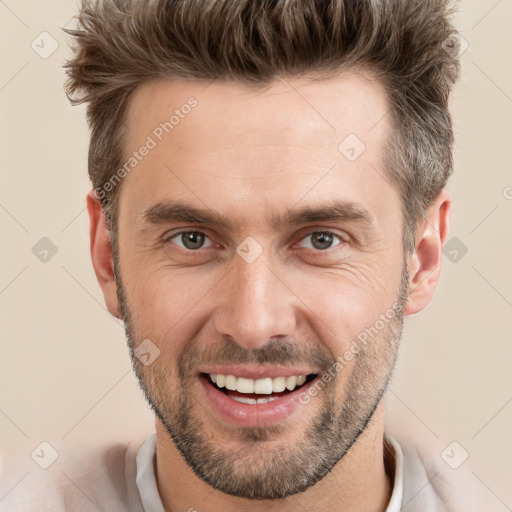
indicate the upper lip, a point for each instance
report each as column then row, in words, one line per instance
column 257, row 372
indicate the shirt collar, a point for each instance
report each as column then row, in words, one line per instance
column 394, row 460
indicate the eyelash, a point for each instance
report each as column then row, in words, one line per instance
column 174, row 235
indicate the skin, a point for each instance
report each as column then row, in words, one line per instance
column 250, row 155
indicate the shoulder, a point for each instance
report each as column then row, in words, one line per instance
column 438, row 478
column 80, row 479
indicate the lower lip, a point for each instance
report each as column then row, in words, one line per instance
column 253, row 415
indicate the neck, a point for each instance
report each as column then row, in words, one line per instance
column 358, row 482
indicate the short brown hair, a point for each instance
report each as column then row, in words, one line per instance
column 121, row 44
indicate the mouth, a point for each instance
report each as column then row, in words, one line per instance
column 257, row 391
column 257, row 395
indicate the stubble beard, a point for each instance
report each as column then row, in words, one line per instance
column 268, row 466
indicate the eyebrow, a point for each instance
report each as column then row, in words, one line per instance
column 337, row 211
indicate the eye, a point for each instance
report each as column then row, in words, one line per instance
column 190, row 240
column 322, row 240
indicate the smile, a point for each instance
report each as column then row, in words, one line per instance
column 237, row 388
column 254, row 402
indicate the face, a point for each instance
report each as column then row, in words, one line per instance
column 252, row 244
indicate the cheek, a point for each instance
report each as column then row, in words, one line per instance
column 344, row 302
column 166, row 303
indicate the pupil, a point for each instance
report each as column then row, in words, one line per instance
column 324, row 240
column 192, row 240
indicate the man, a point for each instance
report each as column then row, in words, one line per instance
column 268, row 205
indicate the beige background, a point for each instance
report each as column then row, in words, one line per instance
column 64, row 368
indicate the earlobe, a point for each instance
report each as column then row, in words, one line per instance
column 426, row 260
column 101, row 253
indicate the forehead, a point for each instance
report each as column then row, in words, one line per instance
column 224, row 144
column 296, row 109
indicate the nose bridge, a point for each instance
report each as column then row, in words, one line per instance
column 256, row 305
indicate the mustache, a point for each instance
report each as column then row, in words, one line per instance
column 275, row 351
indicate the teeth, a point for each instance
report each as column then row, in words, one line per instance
column 291, row 382
column 244, row 400
column 269, row 399
column 264, row 386
column 231, row 382
column 244, row 385
column 278, row 384
column 253, row 401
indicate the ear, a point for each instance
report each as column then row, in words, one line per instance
column 101, row 253
column 425, row 262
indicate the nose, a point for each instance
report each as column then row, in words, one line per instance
column 255, row 304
